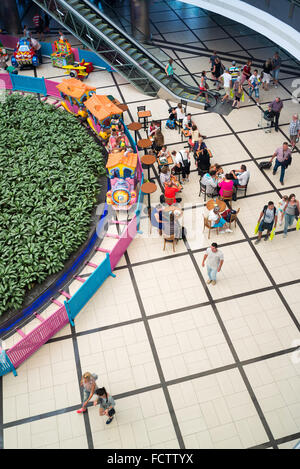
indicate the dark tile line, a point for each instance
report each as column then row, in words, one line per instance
column 232, row 348
column 279, row 441
column 156, row 357
column 267, row 272
column 87, row 424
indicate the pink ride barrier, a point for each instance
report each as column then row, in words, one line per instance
column 5, row 81
column 37, row 337
column 123, row 243
column 51, row 88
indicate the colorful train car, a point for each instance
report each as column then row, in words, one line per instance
column 75, row 94
column 121, row 169
column 101, row 111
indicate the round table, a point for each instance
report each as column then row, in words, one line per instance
column 134, row 126
column 148, row 188
column 210, row 204
column 144, row 143
column 148, row 160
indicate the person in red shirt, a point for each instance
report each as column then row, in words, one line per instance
column 246, row 73
column 170, row 192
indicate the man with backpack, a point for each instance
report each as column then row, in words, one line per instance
column 267, row 218
column 283, row 159
column 182, row 164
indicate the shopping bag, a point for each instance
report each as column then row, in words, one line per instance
column 256, row 228
column 298, row 224
column 243, row 97
column 272, row 234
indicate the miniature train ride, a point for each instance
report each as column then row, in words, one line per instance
column 103, row 115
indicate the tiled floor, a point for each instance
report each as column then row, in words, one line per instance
column 189, row 365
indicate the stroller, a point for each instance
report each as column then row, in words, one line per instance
column 266, row 119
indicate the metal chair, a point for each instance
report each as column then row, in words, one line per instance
column 202, row 190
column 227, row 195
column 242, row 188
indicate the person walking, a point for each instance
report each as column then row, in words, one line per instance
column 276, row 64
column 267, row 218
column 294, row 130
column 107, row 404
column 246, row 72
column 217, row 71
column 266, row 74
column 169, row 70
column 215, row 260
column 254, row 86
column 226, row 80
column 212, row 60
column 283, row 159
column 275, row 109
column 89, row 384
column 39, row 25
column 291, row 213
column 203, row 87
column 237, row 93
column 234, row 72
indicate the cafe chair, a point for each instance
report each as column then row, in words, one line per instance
column 227, row 195
column 207, row 224
column 169, row 239
column 202, row 190
column 242, row 188
column 233, row 218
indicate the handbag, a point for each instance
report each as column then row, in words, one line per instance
column 296, row 211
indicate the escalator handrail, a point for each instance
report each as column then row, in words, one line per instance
column 141, row 48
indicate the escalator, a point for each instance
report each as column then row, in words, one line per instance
column 125, row 55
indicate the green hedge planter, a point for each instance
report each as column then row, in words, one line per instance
column 49, row 172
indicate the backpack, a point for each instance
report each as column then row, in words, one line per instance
column 288, row 162
column 170, row 124
column 265, row 209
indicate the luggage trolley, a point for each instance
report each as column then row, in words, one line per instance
column 266, row 119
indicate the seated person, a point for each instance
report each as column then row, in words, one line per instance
column 219, row 170
column 217, row 221
column 226, row 184
column 172, row 114
column 210, row 180
column 112, row 141
column 165, row 175
column 202, row 161
column 187, row 125
column 153, row 128
column 170, row 191
column 241, row 176
column 158, row 141
column 171, row 225
column 163, row 156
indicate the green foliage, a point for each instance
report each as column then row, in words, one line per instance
column 49, row 168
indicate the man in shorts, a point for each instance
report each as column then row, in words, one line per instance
column 267, row 218
column 294, row 130
column 226, row 79
column 215, row 260
column 254, row 86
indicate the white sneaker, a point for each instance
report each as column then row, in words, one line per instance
column 228, row 231
column 249, row 100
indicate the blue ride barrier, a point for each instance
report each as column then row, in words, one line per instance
column 29, row 84
column 75, row 304
column 6, row 365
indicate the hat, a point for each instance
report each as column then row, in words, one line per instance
column 233, row 62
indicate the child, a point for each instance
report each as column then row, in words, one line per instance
column 281, row 206
column 107, row 404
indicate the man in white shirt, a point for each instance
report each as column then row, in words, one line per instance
column 215, row 260
column 187, row 122
column 182, row 163
column 241, row 176
column 226, row 79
